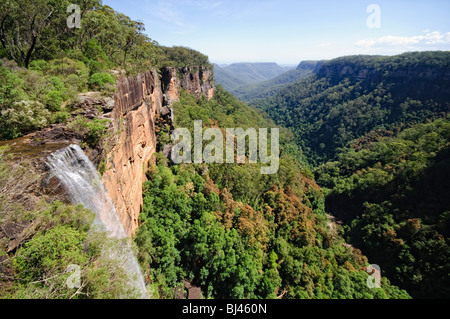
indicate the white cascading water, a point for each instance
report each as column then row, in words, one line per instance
column 82, row 182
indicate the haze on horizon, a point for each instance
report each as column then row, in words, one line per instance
column 289, row 31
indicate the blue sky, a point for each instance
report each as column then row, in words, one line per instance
column 289, row 31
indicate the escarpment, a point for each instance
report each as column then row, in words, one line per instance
column 138, row 100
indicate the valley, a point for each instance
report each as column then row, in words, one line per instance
column 89, row 128
column 365, row 124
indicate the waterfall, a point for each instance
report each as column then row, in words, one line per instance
column 80, row 178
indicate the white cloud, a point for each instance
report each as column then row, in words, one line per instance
column 433, row 38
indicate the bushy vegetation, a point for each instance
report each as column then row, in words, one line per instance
column 393, row 193
column 54, row 236
column 93, row 130
column 46, row 64
column 239, row 234
column 352, row 96
column 385, row 175
column 181, row 57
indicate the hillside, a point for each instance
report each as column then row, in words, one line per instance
column 226, row 79
column 117, row 94
column 376, row 129
column 392, row 192
column 351, row 96
column 250, row 93
column 235, row 75
column 235, row 233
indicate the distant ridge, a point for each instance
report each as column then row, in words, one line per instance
column 238, row 74
column 311, row 65
column 251, row 92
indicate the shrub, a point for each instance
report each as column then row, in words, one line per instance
column 57, row 83
column 67, row 70
column 22, row 117
column 11, row 88
column 79, row 125
column 53, row 101
column 100, row 80
column 51, row 252
column 38, row 65
column 60, row 117
column 93, row 130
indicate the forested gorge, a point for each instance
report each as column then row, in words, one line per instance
column 238, row 234
column 393, row 195
column 365, row 139
column 375, row 131
column 350, row 97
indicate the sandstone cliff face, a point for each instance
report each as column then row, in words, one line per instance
column 137, row 102
column 197, row 81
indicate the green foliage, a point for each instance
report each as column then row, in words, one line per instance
column 25, row 25
column 95, row 56
column 393, row 193
column 39, row 32
column 192, row 229
column 93, row 130
column 181, row 57
column 56, row 237
column 32, row 99
column 51, row 253
column 100, row 80
column 352, row 96
column 238, row 234
column 39, row 65
column 53, row 101
column 11, row 92
column 60, row 117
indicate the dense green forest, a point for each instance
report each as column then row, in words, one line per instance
column 392, row 192
column 375, row 131
column 239, row 234
column 351, row 96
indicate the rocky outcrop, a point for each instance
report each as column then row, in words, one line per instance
column 313, row 66
column 138, row 100
column 196, row 80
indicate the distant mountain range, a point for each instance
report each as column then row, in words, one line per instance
column 249, row 93
column 250, row 81
column 238, row 74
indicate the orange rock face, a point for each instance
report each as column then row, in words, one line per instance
column 137, row 101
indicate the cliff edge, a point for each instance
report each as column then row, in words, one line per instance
column 138, row 101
